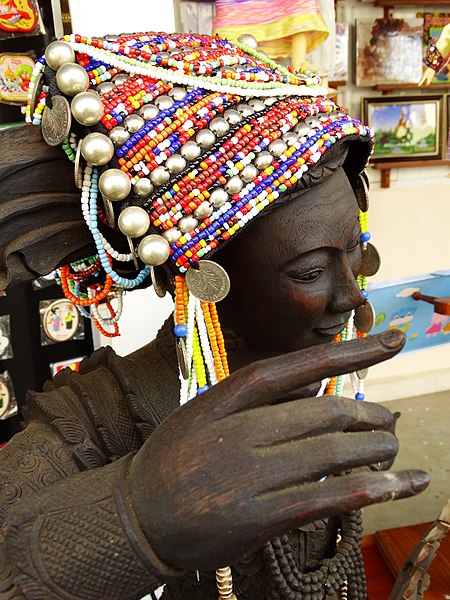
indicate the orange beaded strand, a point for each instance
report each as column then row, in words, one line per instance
column 102, row 330
column 219, row 337
column 213, row 341
column 180, row 309
column 64, row 274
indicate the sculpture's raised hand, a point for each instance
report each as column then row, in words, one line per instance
column 241, row 463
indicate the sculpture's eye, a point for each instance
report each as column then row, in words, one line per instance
column 309, row 276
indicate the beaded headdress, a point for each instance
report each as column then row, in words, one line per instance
column 178, row 141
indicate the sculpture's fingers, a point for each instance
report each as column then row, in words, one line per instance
column 297, row 462
column 288, row 421
column 271, row 380
column 285, row 510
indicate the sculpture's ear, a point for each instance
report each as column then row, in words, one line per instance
column 41, row 224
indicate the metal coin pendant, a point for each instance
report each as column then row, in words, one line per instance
column 109, row 212
column 36, row 93
column 56, row 121
column 362, row 373
column 132, row 249
column 370, row 261
column 364, row 317
column 209, row 283
column 159, row 281
column 362, row 193
column 79, row 167
column 182, row 358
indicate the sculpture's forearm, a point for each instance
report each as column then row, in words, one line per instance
column 79, row 538
column 34, row 459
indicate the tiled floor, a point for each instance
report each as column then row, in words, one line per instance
column 424, row 435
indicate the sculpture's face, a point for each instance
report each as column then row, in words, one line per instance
column 293, row 271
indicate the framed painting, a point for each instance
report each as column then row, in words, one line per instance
column 405, row 127
column 388, row 51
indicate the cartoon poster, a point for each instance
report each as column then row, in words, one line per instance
column 19, row 17
column 60, row 321
column 396, row 308
column 433, row 24
column 8, row 403
column 71, row 363
column 15, row 77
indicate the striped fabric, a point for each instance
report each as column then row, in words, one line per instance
column 271, row 22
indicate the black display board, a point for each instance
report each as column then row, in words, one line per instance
column 30, row 366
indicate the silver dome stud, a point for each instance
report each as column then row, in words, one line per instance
column 163, row 102
column 175, row 163
column 148, row 112
column 133, row 123
column 172, row 235
column 187, row 223
column 263, row 160
column 232, row 116
column 134, row 221
column 143, row 187
column 302, row 129
column 72, row 79
column 120, row 78
column 114, row 184
column 245, row 109
column 256, row 104
column 119, row 135
column 190, row 150
column 277, row 147
column 203, row 210
column 177, row 93
column 59, row 53
column 234, row 185
column 154, row 250
column 97, row 149
column 105, row 87
column 87, row 108
column 205, row 138
column 290, row 138
column 159, row 176
column 249, row 173
column 249, row 40
column 219, row 126
column 218, row 197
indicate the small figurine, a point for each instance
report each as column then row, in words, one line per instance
column 437, row 56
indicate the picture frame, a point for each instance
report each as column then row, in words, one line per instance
column 433, row 24
column 447, row 129
column 406, row 128
column 388, row 51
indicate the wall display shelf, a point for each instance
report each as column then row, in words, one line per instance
column 388, row 88
column 403, row 3
column 385, row 168
column 394, row 88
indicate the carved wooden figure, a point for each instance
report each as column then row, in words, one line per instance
column 113, row 489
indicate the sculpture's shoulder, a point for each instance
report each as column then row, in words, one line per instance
column 110, row 406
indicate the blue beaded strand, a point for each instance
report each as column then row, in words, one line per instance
column 120, row 281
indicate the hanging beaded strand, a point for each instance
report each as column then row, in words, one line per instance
column 336, row 384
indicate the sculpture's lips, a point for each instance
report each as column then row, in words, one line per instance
column 333, row 330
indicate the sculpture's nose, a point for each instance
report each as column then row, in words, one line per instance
column 346, row 293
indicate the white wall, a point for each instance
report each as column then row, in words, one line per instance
column 100, row 17
column 409, row 223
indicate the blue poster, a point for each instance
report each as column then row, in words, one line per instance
column 395, row 308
